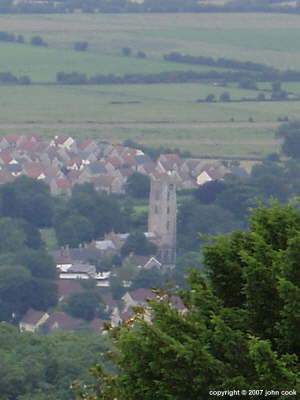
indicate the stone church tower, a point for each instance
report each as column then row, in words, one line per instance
column 162, row 216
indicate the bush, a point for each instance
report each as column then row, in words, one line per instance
column 81, row 46
column 225, row 97
column 38, row 41
column 141, row 54
column 126, row 51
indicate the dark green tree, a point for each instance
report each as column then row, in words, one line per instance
column 208, row 192
column 126, row 51
column 138, row 185
column 224, row 97
column 81, row 46
column 74, row 230
column 28, row 199
column 84, row 304
column 12, row 236
column 290, row 134
column 240, row 328
column 137, row 243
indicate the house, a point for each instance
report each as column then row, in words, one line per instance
column 32, row 320
column 87, row 146
column 60, row 187
column 79, row 271
column 112, row 308
column 62, row 321
column 102, row 278
column 203, row 178
column 169, row 162
column 107, row 247
column 152, row 263
column 64, row 142
column 137, row 297
column 98, row 325
column 80, row 255
column 66, row 288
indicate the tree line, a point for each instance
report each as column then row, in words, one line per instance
column 78, row 78
column 147, row 6
column 217, row 63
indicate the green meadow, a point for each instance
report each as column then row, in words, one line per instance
column 157, row 114
column 42, row 64
column 266, row 38
column 153, row 115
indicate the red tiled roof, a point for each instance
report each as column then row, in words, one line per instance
column 6, row 177
column 137, row 260
column 103, row 180
column 82, row 145
column 13, row 138
column 67, row 287
column 97, row 324
column 141, row 294
column 5, row 157
column 32, row 317
column 61, row 139
column 63, row 183
column 63, row 320
column 107, row 298
column 171, row 157
column 114, row 161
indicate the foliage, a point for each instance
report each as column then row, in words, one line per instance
column 148, row 278
column 38, row 41
column 81, row 46
column 208, row 192
column 138, row 185
column 84, row 304
column 195, row 219
column 42, row 367
column 239, row 330
column 28, row 199
column 137, row 243
column 94, row 214
column 290, row 133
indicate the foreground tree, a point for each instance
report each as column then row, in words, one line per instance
column 290, row 133
column 239, row 330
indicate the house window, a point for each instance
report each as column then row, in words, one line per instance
column 168, row 210
column 171, row 186
column 156, row 210
column 168, row 225
column 168, row 196
column 157, row 195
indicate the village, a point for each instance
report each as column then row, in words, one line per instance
column 62, row 162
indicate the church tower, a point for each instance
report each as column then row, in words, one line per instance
column 162, row 216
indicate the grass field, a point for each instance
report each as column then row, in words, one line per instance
column 267, row 38
column 151, row 114
column 174, row 103
column 41, row 64
column 161, row 115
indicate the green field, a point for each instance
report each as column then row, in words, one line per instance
column 174, row 103
column 266, row 38
column 159, row 115
column 42, row 64
column 155, row 115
